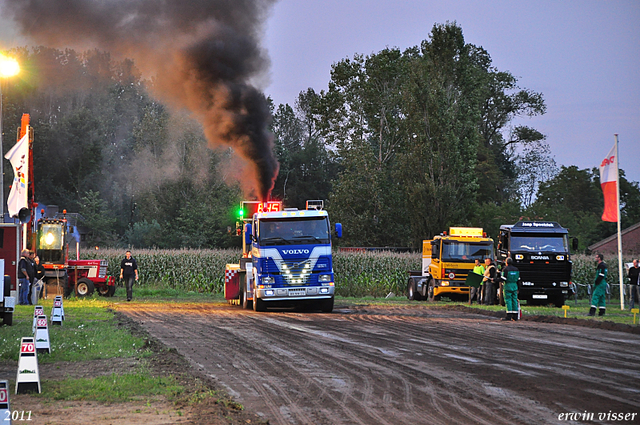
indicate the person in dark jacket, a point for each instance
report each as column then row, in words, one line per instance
column 634, row 283
column 39, row 272
column 24, row 278
column 32, row 281
column 511, row 276
column 129, row 271
column 488, row 282
column 598, row 299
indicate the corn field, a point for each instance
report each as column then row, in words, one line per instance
column 357, row 274
column 198, row 270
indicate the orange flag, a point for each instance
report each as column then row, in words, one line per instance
column 609, row 184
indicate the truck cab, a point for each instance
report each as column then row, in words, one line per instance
column 289, row 260
column 447, row 260
column 540, row 251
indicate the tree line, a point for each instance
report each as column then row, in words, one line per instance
column 401, row 145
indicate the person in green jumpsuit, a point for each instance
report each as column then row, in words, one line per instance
column 598, row 296
column 511, row 276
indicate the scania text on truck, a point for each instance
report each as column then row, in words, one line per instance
column 447, row 259
column 286, row 258
column 540, row 250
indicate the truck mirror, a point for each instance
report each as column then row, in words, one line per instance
column 574, row 244
column 339, row 230
column 247, row 234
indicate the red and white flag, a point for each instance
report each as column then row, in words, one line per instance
column 609, row 184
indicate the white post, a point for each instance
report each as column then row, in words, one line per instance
column 619, row 233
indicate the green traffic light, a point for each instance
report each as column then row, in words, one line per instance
column 241, row 213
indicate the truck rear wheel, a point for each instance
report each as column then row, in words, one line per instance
column 84, row 287
column 412, row 292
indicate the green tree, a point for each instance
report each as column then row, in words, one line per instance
column 97, row 219
column 306, row 167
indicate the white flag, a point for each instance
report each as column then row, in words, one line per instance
column 19, row 158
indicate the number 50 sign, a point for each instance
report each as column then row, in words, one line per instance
column 4, row 396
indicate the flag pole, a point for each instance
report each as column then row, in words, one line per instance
column 619, row 232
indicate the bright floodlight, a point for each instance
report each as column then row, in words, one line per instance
column 8, row 67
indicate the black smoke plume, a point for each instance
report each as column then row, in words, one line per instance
column 204, row 55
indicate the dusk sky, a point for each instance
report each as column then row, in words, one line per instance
column 583, row 56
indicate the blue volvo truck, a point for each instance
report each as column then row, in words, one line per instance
column 286, row 259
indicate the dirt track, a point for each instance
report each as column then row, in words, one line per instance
column 408, row 364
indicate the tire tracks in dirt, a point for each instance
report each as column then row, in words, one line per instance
column 402, row 364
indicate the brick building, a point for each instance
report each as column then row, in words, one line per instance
column 630, row 242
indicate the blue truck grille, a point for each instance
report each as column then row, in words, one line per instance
column 294, row 272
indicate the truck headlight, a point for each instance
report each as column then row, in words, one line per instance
column 268, row 280
column 519, row 256
column 560, row 257
column 324, row 278
column 268, row 293
column 324, row 290
column 564, row 284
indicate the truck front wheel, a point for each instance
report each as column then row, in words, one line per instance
column 258, row 305
column 246, row 303
column 326, row 306
column 431, row 290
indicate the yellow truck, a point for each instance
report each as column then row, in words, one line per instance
column 447, row 259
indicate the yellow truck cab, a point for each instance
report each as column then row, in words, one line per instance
column 447, row 259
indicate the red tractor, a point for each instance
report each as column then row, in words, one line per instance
column 64, row 276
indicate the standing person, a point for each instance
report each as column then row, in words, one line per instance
column 477, row 292
column 598, row 297
column 488, row 281
column 24, row 277
column 129, row 270
column 634, row 283
column 39, row 272
column 32, row 276
column 511, row 276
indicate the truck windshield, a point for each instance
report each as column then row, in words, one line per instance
column 555, row 243
column 299, row 231
column 466, row 251
column 50, row 237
